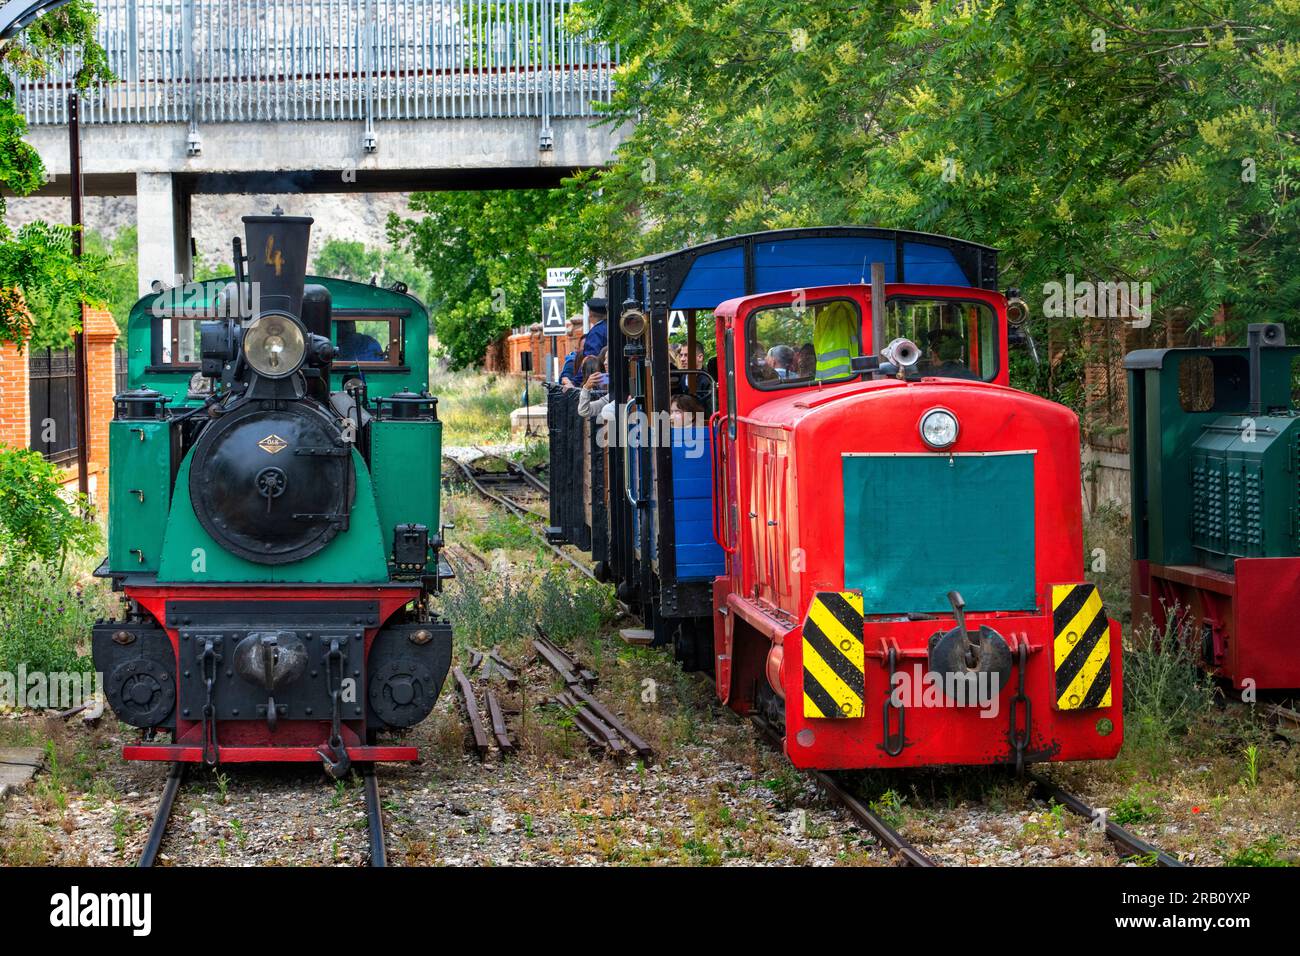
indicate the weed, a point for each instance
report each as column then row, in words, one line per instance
column 1260, row 853
column 1251, row 754
column 1133, row 808
column 889, row 807
column 1165, row 693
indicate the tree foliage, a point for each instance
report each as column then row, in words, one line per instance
column 486, row 253
column 41, row 283
column 36, row 521
column 351, row 259
column 1114, row 142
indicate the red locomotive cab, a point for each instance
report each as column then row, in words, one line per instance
column 903, row 532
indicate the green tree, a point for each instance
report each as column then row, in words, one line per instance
column 120, row 255
column 485, row 255
column 41, row 282
column 1152, row 142
column 349, row 259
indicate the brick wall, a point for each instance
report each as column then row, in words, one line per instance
column 101, row 334
column 505, row 356
column 15, row 398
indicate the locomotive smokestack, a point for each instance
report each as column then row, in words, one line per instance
column 277, row 260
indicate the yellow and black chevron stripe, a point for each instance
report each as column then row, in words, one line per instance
column 833, row 680
column 1081, row 645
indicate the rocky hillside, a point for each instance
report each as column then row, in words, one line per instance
column 215, row 219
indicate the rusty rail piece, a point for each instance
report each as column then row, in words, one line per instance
column 505, row 670
column 1126, row 842
column 598, row 722
column 572, row 670
column 898, row 845
column 638, row 744
column 601, row 733
column 470, row 703
column 500, row 731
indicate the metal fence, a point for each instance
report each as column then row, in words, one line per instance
column 214, row 61
column 53, row 386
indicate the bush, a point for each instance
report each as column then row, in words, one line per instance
column 38, row 521
column 1165, row 692
column 45, row 615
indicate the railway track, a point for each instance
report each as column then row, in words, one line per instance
column 516, row 468
column 1126, row 843
column 495, row 487
column 898, row 846
column 176, row 779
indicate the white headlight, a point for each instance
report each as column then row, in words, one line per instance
column 939, row 428
column 274, row 345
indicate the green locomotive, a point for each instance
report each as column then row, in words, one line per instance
column 274, row 516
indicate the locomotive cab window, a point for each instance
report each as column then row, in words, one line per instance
column 175, row 342
column 957, row 339
column 367, row 340
column 798, row 344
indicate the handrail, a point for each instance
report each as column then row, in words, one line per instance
column 719, row 479
column 633, row 500
column 713, row 392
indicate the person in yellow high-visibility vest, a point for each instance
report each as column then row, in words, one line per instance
column 837, row 337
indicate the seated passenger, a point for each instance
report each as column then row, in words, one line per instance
column 805, row 361
column 945, row 357
column 685, row 411
column 356, row 346
column 780, row 358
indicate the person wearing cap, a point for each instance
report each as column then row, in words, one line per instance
column 598, row 335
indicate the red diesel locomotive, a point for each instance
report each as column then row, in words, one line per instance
column 875, row 544
column 904, row 556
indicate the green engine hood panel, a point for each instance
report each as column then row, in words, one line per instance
column 919, row 526
column 354, row 556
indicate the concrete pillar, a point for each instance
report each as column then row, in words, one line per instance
column 162, row 216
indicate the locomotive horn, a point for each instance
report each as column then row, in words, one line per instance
column 902, row 353
column 633, row 322
column 1017, row 308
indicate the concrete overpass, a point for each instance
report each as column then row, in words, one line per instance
column 245, row 96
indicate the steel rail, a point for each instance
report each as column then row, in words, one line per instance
column 470, row 701
column 893, row 841
column 1128, row 843
column 159, row 826
column 518, row 468
column 375, row 819
column 517, row 510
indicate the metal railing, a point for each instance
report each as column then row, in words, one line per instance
column 53, row 385
column 220, row 61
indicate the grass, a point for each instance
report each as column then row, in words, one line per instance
column 475, row 406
